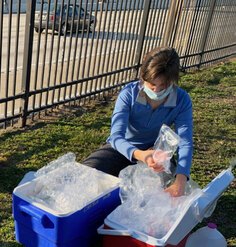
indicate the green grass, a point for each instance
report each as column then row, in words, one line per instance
column 213, row 91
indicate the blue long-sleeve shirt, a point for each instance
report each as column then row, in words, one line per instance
column 135, row 125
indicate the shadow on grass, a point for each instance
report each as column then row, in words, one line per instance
column 214, row 81
column 10, row 134
column 9, row 244
column 13, row 163
column 188, row 88
column 224, row 215
column 51, row 141
column 95, row 125
column 11, row 177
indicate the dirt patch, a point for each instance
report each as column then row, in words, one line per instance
column 233, row 59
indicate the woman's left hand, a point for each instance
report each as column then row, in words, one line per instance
column 178, row 187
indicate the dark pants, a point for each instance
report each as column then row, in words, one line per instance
column 108, row 160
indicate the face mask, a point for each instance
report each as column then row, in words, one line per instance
column 159, row 95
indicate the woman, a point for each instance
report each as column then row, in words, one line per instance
column 142, row 107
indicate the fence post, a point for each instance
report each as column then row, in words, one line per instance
column 174, row 9
column 206, row 31
column 1, row 36
column 146, row 10
column 27, row 58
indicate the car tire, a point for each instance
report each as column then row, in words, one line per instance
column 92, row 27
column 63, row 29
column 37, row 30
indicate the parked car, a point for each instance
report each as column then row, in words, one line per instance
column 85, row 21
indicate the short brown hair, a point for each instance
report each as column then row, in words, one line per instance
column 161, row 61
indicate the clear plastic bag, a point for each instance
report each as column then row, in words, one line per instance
column 146, row 207
column 65, row 185
column 165, row 147
column 59, row 162
column 137, row 181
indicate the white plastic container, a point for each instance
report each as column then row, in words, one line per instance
column 206, row 236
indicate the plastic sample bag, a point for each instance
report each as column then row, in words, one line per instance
column 150, row 215
column 62, row 160
column 137, row 180
column 165, row 147
column 146, row 207
column 66, row 186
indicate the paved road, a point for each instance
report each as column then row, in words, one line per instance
column 110, row 47
column 90, row 54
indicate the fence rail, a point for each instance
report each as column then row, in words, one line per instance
column 55, row 52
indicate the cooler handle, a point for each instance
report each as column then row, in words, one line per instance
column 44, row 219
column 112, row 232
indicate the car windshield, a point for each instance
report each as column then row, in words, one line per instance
column 45, row 6
column 52, row 6
column 71, row 10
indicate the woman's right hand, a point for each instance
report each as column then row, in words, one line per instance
column 146, row 156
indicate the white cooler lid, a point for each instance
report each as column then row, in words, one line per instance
column 190, row 217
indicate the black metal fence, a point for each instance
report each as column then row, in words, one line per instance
column 54, row 52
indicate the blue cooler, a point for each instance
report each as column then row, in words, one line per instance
column 39, row 226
